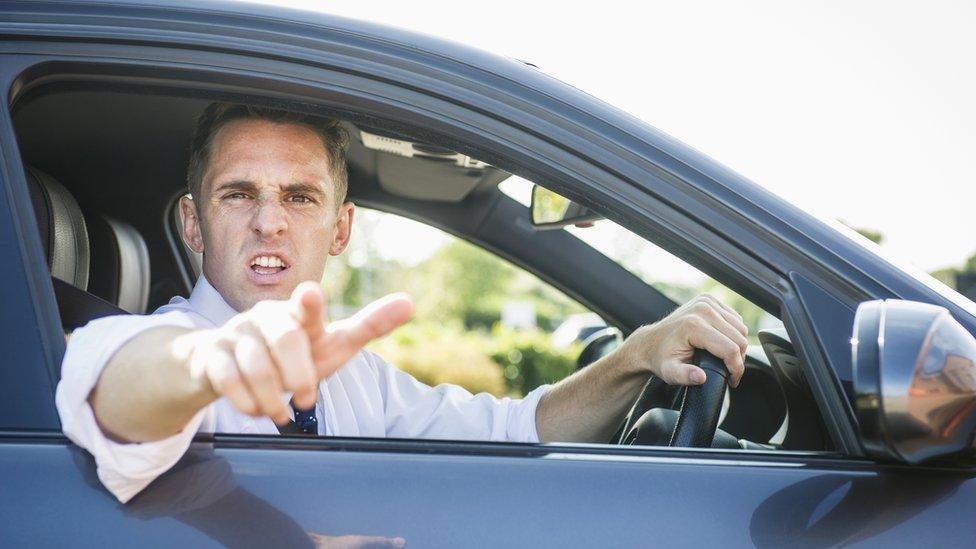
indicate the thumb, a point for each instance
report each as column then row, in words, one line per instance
column 679, row 373
column 344, row 338
column 307, row 306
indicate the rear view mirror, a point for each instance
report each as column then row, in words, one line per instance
column 914, row 380
column 552, row 211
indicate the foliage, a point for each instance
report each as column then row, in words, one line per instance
column 500, row 362
column 528, row 358
column 873, row 235
column 961, row 278
column 436, row 354
column 459, row 293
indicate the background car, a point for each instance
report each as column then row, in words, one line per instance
column 102, row 100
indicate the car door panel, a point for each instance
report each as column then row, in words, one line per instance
column 252, row 496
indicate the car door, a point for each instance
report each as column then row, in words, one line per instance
column 261, row 490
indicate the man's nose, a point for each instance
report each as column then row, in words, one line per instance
column 269, row 219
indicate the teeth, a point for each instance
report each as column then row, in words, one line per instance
column 268, row 261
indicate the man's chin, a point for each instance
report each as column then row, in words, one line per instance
column 253, row 293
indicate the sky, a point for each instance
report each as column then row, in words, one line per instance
column 860, row 111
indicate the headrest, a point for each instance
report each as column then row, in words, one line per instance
column 119, row 263
column 62, row 228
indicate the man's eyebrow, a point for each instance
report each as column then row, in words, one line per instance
column 248, row 186
column 236, row 185
column 306, row 188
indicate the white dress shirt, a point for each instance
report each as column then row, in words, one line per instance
column 366, row 397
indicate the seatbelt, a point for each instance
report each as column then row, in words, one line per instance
column 79, row 307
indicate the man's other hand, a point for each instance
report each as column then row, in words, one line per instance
column 666, row 347
column 279, row 346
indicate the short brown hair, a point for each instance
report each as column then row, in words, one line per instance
column 217, row 115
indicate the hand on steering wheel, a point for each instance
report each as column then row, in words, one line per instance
column 699, row 408
column 702, row 345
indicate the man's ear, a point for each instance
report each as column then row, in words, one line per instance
column 343, row 230
column 191, row 224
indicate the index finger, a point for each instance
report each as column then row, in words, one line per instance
column 307, row 306
column 719, row 344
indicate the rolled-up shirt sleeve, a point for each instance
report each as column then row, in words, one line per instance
column 124, row 468
column 413, row 409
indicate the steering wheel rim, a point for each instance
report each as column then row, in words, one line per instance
column 699, row 408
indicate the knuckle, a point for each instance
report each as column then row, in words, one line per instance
column 258, row 372
column 731, row 350
column 695, row 321
column 225, row 381
column 286, row 337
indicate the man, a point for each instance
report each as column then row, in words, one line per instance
column 250, row 348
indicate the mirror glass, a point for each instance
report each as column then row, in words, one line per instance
column 551, row 210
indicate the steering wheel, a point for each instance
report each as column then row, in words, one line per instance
column 699, row 407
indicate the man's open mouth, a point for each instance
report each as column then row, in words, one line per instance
column 268, row 264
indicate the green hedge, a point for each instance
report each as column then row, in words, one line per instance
column 500, row 362
column 528, row 359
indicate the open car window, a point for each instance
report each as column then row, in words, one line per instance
column 487, row 325
column 482, row 322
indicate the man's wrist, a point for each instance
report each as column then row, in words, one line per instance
column 188, row 348
column 635, row 354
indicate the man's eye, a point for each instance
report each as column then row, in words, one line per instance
column 300, row 198
column 236, row 196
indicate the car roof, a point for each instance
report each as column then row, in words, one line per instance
column 293, row 30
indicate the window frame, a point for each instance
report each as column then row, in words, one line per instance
column 34, row 332
column 594, row 183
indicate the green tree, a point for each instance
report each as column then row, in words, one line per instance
column 459, row 281
column 871, row 234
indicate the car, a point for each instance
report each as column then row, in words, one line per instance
column 853, row 422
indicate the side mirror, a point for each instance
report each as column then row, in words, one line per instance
column 552, row 211
column 914, row 380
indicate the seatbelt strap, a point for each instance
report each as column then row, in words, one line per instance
column 79, row 307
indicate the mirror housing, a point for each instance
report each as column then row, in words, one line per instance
column 914, row 372
column 553, row 211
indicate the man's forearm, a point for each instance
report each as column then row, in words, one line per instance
column 146, row 391
column 589, row 405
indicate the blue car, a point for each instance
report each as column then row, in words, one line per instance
column 853, row 423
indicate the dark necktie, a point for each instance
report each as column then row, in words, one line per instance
column 305, row 422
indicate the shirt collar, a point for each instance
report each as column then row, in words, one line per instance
column 207, row 301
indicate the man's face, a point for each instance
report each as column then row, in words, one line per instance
column 266, row 218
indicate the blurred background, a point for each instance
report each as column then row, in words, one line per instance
column 859, row 112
